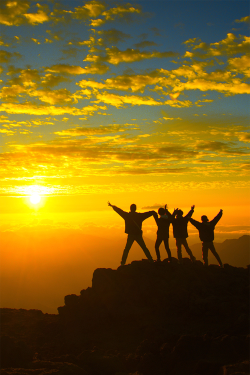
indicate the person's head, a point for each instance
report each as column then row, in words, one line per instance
column 161, row 211
column 133, row 207
column 179, row 213
column 204, row 219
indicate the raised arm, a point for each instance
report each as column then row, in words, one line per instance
column 175, row 212
column 217, row 218
column 190, row 213
column 169, row 215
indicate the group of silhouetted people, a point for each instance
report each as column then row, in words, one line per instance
column 133, row 228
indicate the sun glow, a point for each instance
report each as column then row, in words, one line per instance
column 35, row 198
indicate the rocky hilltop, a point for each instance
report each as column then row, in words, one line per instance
column 141, row 319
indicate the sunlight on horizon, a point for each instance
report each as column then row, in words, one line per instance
column 35, row 198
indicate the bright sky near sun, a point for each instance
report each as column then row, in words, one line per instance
column 140, row 102
column 144, row 101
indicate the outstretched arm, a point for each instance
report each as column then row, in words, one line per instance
column 195, row 223
column 217, row 218
column 145, row 215
column 118, row 210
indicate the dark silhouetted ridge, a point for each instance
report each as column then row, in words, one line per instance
column 140, row 319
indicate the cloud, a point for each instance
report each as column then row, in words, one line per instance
column 120, row 100
column 203, row 101
column 177, row 152
column 112, row 36
column 7, row 132
column 40, row 17
column 244, row 137
column 50, row 80
column 36, row 109
column 61, row 96
column 240, row 65
column 221, row 147
column 125, row 82
column 79, row 131
column 153, row 207
column 14, row 13
column 91, row 9
column 65, row 69
column 231, row 45
column 10, row 94
column 6, row 56
column 115, row 56
column 243, row 19
column 121, row 11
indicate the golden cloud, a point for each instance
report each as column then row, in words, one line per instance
column 240, row 64
column 229, row 46
column 115, row 56
column 91, row 9
column 244, row 19
column 14, row 13
column 91, row 131
column 40, row 17
column 50, row 80
column 61, row 96
column 221, row 147
column 35, row 109
column 119, row 100
column 6, row 56
column 120, row 11
column 65, row 68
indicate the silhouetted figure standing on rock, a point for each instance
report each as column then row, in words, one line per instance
column 180, row 232
column 206, row 234
column 163, row 223
column 133, row 224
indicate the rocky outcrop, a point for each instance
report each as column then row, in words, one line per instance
column 141, row 319
column 165, row 295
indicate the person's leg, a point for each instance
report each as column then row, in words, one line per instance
column 129, row 243
column 214, row 252
column 157, row 250
column 141, row 242
column 188, row 250
column 167, row 249
column 178, row 245
column 205, row 253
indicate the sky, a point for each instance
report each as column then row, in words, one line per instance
column 140, row 102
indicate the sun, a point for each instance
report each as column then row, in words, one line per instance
column 35, row 198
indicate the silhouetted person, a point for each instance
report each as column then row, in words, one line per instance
column 180, row 232
column 206, row 234
column 133, row 224
column 163, row 223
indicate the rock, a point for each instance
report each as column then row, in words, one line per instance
column 242, row 368
column 15, row 353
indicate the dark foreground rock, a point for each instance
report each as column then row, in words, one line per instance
column 141, row 319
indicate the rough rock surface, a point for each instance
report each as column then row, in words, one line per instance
column 141, row 319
